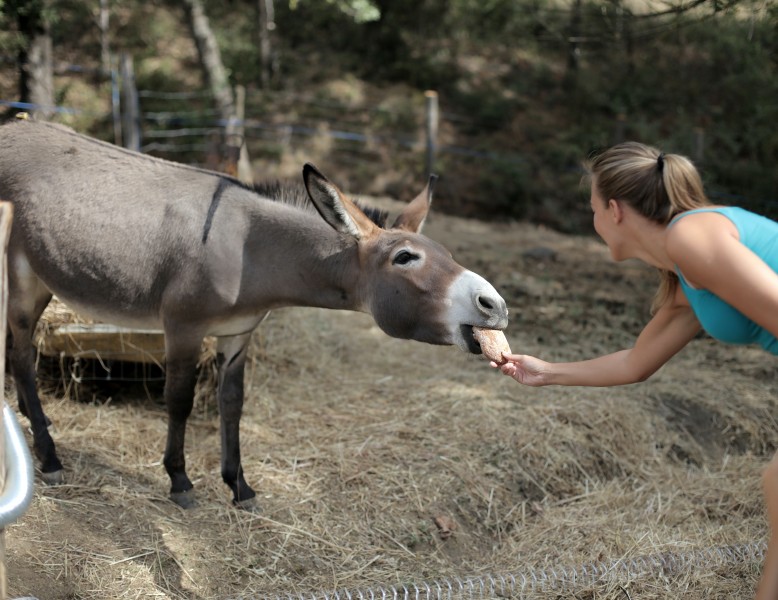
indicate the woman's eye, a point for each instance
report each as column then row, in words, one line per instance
column 403, row 257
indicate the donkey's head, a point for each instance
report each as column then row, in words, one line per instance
column 409, row 283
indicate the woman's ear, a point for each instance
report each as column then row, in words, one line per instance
column 616, row 210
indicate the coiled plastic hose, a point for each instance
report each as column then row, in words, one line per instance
column 554, row 580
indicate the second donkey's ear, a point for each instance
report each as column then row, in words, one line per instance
column 334, row 206
column 414, row 215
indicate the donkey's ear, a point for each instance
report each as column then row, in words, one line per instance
column 334, row 206
column 412, row 218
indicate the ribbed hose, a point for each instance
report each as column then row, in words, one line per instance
column 552, row 580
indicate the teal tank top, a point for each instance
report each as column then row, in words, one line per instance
column 719, row 319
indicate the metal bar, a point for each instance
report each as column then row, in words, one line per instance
column 19, row 480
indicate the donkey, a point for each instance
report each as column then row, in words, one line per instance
column 142, row 242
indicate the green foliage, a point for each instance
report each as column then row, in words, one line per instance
column 507, row 188
column 30, row 9
column 488, row 108
column 506, row 21
column 12, row 11
column 508, row 85
column 706, row 76
column 362, row 11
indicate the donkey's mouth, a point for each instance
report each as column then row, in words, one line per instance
column 467, row 334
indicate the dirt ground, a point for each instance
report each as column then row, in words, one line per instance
column 382, row 462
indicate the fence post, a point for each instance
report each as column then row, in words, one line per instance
column 620, row 128
column 432, row 118
column 236, row 157
column 699, row 145
column 116, row 105
column 105, row 53
column 244, row 163
column 266, row 26
column 6, row 215
column 130, row 105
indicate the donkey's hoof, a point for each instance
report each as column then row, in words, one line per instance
column 185, row 499
column 249, row 505
column 54, row 477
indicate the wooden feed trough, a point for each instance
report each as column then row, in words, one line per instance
column 82, row 350
column 77, row 350
column 103, row 342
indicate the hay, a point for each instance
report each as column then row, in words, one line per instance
column 380, row 462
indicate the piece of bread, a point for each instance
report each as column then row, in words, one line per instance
column 493, row 343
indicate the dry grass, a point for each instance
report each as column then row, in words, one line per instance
column 380, row 461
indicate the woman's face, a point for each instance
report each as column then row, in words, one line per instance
column 600, row 211
column 603, row 219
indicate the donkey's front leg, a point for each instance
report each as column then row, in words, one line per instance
column 231, row 354
column 180, row 378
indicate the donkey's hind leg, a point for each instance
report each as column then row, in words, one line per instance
column 231, row 355
column 27, row 299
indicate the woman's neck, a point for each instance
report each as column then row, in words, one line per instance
column 647, row 240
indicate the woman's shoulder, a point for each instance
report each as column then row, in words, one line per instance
column 699, row 231
column 704, row 212
column 711, row 219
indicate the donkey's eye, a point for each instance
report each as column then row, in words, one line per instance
column 403, row 257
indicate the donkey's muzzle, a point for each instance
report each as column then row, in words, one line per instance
column 493, row 308
column 473, row 301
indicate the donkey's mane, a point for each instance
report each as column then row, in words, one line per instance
column 295, row 194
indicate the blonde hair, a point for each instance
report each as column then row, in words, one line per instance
column 658, row 186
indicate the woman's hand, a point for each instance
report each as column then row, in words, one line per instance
column 527, row 370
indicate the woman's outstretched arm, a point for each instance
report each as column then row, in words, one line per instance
column 672, row 327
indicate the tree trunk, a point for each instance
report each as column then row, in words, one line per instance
column 573, row 51
column 210, row 58
column 105, row 52
column 234, row 152
column 265, row 26
column 36, row 82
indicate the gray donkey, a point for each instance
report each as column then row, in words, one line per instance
column 142, row 242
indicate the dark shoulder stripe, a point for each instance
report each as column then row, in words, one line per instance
column 222, row 184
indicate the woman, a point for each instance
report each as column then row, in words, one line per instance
column 719, row 268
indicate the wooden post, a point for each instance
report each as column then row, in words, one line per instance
column 432, row 118
column 6, row 216
column 620, row 130
column 699, row 145
column 116, row 106
column 573, row 49
column 266, row 26
column 105, row 53
column 244, row 163
column 236, row 158
column 130, row 104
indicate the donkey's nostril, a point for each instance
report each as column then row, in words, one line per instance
column 485, row 302
column 492, row 307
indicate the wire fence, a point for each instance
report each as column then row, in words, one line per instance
column 185, row 127
column 181, row 124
